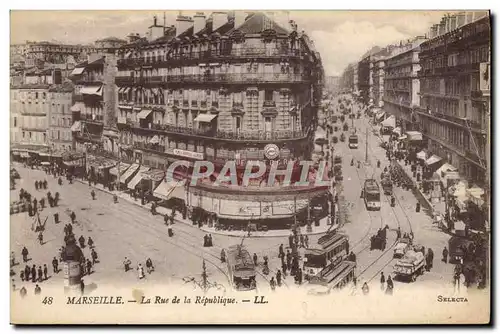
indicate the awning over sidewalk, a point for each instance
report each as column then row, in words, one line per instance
column 379, row 115
column 447, row 171
column 92, row 90
column 155, row 175
column 137, row 178
column 75, row 107
column 45, row 163
column 432, row 160
column 25, row 155
column 167, row 189
column 390, row 122
column 123, row 168
column 475, row 194
column 144, row 113
column 422, row 155
column 77, row 71
column 207, row 118
column 154, row 140
column 414, row 135
column 128, row 173
column 397, row 131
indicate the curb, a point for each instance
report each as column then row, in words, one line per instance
column 204, row 229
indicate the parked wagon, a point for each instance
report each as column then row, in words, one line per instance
column 410, row 266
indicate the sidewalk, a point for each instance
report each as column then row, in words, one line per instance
column 166, row 211
column 433, row 207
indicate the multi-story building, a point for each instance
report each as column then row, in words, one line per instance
column 222, row 89
column 347, row 79
column 378, row 74
column 401, row 84
column 95, row 95
column 59, row 98
column 55, row 53
column 29, row 110
column 365, row 80
column 454, row 113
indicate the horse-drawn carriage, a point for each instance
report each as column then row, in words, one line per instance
column 379, row 241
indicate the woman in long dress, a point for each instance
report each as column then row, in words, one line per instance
column 140, row 271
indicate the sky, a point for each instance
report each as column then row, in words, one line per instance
column 341, row 37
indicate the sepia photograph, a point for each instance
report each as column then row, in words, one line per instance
column 250, row 167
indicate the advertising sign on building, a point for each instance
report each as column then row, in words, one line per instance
column 484, row 77
column 188, row 154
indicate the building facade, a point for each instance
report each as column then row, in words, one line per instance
column 347, row 79
column 222, row 89
column 29, row 113
column 454, row 114
column 60, row 99
column 55, row 53
column 402, row 86
column 95, row 98
column 378, row 75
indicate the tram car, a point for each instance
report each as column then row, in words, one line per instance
column 386, row 186
column 241, row 268
column 332, row 247
column 337, row 159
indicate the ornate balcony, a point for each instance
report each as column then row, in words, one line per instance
column 258, row 52
column 269, row 104
column 242, row 78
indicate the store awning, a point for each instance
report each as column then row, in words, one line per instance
column 397, row 131
column 154, row 174
column 44, row 154
column 25, row 155
column 77, row 126
column 92, row 90
column 77, row 71
column 459, row 190
column 122, row 120
column 123, row 168
column 432, row 160
column 128, row 54
column 475, row 194
column 131, row 170
column 380, row 115
column 422, row 155
column 165, row 189
column 16, row 153
column 402, row 137
column 154, row 140
column 207, row 118
column 390, row 122
column 45, row 163
column 144, row 113
column 414, row 135
column 73, row 163
column 137, row 178
column 125, row 90
column 446, row 168
column 75, row 108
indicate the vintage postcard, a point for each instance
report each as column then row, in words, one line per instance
column 250, row 167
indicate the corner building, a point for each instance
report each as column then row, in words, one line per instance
column 221, row 89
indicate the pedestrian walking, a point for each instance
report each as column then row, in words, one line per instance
column 278, row 278
column 23, row 292
column 27, row 272
column 92, row 193
column 302, row 241
column 45, row 271
column 127, row 264
column 222, row 256
column 73, row 217
column 382, row 281
column 21, row 275
column 255, row 258
column 149, row 265
column 40, row 237
column 89, row 267
column 390, row 286
column 24, row 253
column 38, row 290
column 445, row 255
column 90, row 242
column 140, row 271
column 55, row 265
column 281, row 253
column 93, row 253
column 283, row 267
column 290, row 240
column 42, row 203
column 36, row 185
column 81, row 240
column 306, row 241
column 210, row 241
column 365, row 289
column 288, row 258
column 40, row 274
column 272, row 283
column 82, row 287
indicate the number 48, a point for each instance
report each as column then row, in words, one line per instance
column 47, row 300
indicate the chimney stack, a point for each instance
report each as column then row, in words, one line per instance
column 199, row 22
column 183, row 24
column 218, row 20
